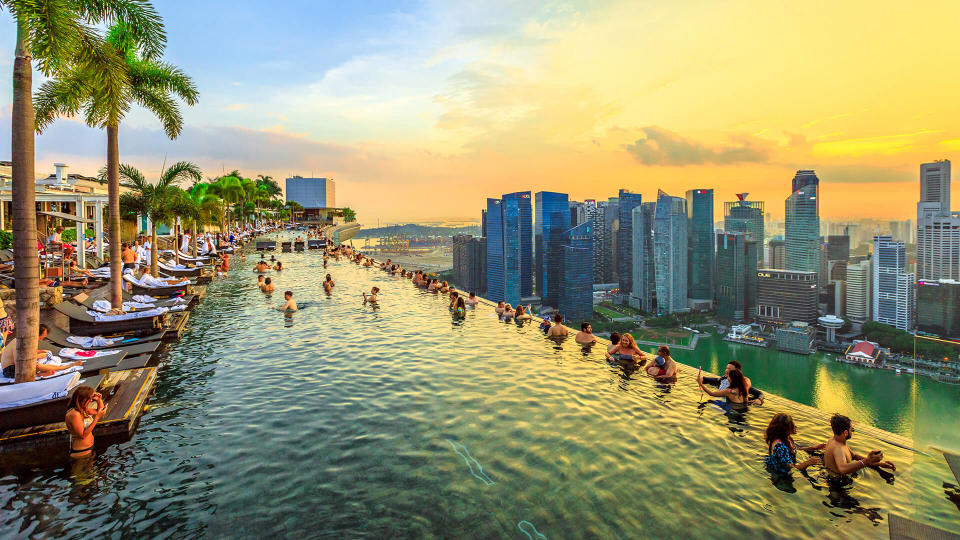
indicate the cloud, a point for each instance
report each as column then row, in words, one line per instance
column 236, row 106
column 662, row 147
column 882, row 144
column 866, row 174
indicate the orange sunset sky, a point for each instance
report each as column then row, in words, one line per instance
column 423, row 110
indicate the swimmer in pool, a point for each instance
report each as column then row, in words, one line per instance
column 837, row 456
column 663, row 365
column 328, row 284
column 558, row 329
column 267, row 286
column 736, row 393
column 260, row 282
column 501, row 305
column 521, row 314
column 626, row 350
column 261, row 266
column 453, row 299
column 471, row 300
column 460, row 311
column 614, row 341
column 290, row 305
column 373, row 296
column 585, row 335
column 86, row 408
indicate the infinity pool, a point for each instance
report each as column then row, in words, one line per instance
column 397, row 421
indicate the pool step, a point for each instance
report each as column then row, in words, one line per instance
column 902, row 528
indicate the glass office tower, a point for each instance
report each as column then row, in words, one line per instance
column 550, row 235
column 670, row 253
column 802, row 225
column 700, row 260
column 576, row 293
column 628, row 201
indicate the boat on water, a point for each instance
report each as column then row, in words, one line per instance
column 744, row 335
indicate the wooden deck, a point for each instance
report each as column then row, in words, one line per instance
column 125, row 395
column 178, row 325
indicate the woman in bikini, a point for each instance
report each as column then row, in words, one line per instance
column 86, row 409
column 626, row 350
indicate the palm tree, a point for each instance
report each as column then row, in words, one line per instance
column 230, row 190
column 125, row 71
column 160, row 202
column 294, row 207
column 205, row 208
column 55, row 35
column 348, row 214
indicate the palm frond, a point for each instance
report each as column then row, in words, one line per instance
column 181, row 170
column 163, row 107
column 138, row 18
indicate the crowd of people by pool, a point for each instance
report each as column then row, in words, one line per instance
column 733, row 391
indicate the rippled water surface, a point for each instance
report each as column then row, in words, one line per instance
column 397, row 421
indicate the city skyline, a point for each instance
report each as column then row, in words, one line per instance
column 417, row 101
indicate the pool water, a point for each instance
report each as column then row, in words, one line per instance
column 347, row 420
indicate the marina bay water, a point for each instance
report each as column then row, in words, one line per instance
column 349, row 420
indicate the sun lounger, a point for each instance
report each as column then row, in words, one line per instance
column 285, row 247
column 40, row 402
column 83, row 323
column 298, row 246
column 316, row 244
column 105, row 359
column 103, row 293
column 138, row 288
column 129, row 341
column 266, row 246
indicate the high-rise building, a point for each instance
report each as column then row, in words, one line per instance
column 893, row 287
column 576, row 293
column 736, row 276
column 838, row 253
column 595, row 215
column 627, row 201
column 777, row 253
column 550, row 234
column 578, row 213
column 938, row 229
column 935, row 183
column 786, row 296
column 496, row 279
column 470, row 263
column 510, row 247
column 611, row 220
column 643, row 294
column 746, row 217
column 670, row 253
column 701, row 280
column 859, row 291
column 802, row 225
column 938, row 307
column 805, row 178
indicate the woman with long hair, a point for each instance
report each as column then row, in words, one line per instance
column 626, row 350
column 461, row 310
column 521, row 314
column 86, row 408
column 736, row 393
column 782, row 451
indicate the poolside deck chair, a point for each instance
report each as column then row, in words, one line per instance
column 103, row 293
column 298, row 246
column 130, row 341
column 285, row 247
column 84, row 324
column 266, row 245
column 154, row 291
column 44, row 411
column 91, row 366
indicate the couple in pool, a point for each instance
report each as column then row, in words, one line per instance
column 624, row 349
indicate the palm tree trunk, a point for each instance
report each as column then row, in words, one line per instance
column 176, row 240
column 194, row 239
column 27, row 269
column 153, row 249
column 113, row 203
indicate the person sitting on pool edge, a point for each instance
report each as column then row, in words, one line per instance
column 290, row 305
column 756, row 396
column 558, row 329
column 782, row 451
column 373, row 296
column 585, row 335
column 8, row 358
column 267, row 286
column 837, row 456
column 86, row 408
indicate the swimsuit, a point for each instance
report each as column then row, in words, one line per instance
column 87, row 420
column 780, row 458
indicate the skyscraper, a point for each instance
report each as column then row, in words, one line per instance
column 670, row 253
column 576, row 293
column 550, row 235
column 611, row 218
column 595, row 215
column 802, row 225
column 470, row 263
column 496, row 278
column 746, row 217
column 785, row 296
column 838, row 253
column 578, row 213
column 627, row 201
column 938, row 229
column 736, row 276
column 893, row 287
column 938, row 307
column 700, row 243
column 643, row 294
column 859, row 291
column 509, row 248
column 777, row 258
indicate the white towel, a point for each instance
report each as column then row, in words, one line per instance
column 178, row 307
column 102, row 317
column 96, row 341
column 69, row 352
column 102, row 306
column 46, row 388
column 143, row 298
column 130, row 306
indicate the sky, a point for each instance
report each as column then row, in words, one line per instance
column 422, row 110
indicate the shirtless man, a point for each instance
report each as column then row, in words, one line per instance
column 558, row 329
column 128, row 256
column 260, row 282
column 290, row 305
column 585, row 335
column 471, row 300
column 839, row 459
column 8, row 358
column 373, row 296
column 261, row 266
column 267, row 286
column 328, row 284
